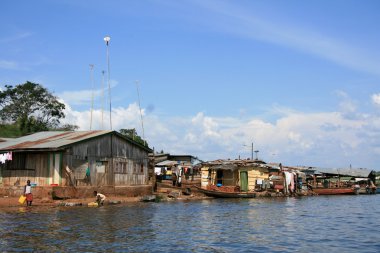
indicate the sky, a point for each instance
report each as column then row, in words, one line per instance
column 297, row 80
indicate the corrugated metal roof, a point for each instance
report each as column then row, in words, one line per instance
column 167, row 163
column 2, row 139
column 355, row 172
column 49, row 140
column 234, row 164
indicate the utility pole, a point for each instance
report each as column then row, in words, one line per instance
column 103, row 99
column 141, row 116
column 92, row 94
column 107, row 40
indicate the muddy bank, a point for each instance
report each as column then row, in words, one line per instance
column 12, row 202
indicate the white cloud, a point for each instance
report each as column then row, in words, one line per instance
column 376, row 99
column 84, row 97
column 327, row 139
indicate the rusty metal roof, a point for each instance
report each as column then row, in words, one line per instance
column 234, row 164
column 49, row 140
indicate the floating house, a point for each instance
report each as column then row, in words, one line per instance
column 236, row 175
column 74, row 158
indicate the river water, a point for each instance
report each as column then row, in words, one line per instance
column 308, row 224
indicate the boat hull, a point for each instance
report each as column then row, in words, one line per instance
column 221, row 194
column 336, row 191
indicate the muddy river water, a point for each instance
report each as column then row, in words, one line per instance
column 309, row 224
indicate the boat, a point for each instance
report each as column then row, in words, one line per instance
column 337, row 191
column 223, row 194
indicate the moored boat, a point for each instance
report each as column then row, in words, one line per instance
column 223, row 194
column 337, row 191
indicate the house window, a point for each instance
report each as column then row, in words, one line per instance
column 142, row 168
column 121, row 168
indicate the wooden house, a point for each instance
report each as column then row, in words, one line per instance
column 74, row 158
column 235, row 175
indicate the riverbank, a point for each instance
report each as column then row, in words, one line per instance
column 164, row 192
column 12, row 202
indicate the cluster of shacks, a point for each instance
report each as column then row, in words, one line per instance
column 166, row 165
column 255, row 175
column 75, row 158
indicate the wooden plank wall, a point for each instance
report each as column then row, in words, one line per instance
column 26, row 166
column 126, row 163
column 254, row 174
column 130, row 163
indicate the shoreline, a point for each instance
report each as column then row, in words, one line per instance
column 12, row 202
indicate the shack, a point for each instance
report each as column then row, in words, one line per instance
column 166, row 165
column 96, row 159
column 236, row 175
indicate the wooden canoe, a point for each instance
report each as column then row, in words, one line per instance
column 336, row 191
column 221, row 194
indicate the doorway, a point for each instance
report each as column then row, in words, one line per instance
column 243, row 181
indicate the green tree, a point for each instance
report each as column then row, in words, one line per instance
column 132, row 133
column 31, row 107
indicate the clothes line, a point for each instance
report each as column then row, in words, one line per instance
column 5, row 157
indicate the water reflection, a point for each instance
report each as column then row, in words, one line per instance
column 333, row 224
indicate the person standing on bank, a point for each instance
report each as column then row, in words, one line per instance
column 28, row 193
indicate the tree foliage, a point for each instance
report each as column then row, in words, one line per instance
column 31, row 107
column 132, row 133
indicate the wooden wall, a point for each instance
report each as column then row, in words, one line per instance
column 112, row 160
column 26, row 166
column 233, row 178
column 254, row 174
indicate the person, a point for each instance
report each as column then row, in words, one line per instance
column 88, row 175
column 28, row 193
column 99, row 198
column 174, row 179
column 309, row 186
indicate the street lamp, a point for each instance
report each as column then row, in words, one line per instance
column 107, row 40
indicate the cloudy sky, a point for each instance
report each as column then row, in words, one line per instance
column 298, row 79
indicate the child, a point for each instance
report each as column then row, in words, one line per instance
column 28, row 193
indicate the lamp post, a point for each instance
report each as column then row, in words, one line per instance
column 107, row 40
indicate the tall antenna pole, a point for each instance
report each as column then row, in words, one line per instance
column 103, row 99
column 92, row 95
column 107, row 40
column 141, row 117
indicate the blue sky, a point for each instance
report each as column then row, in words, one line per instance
column 299, row 79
